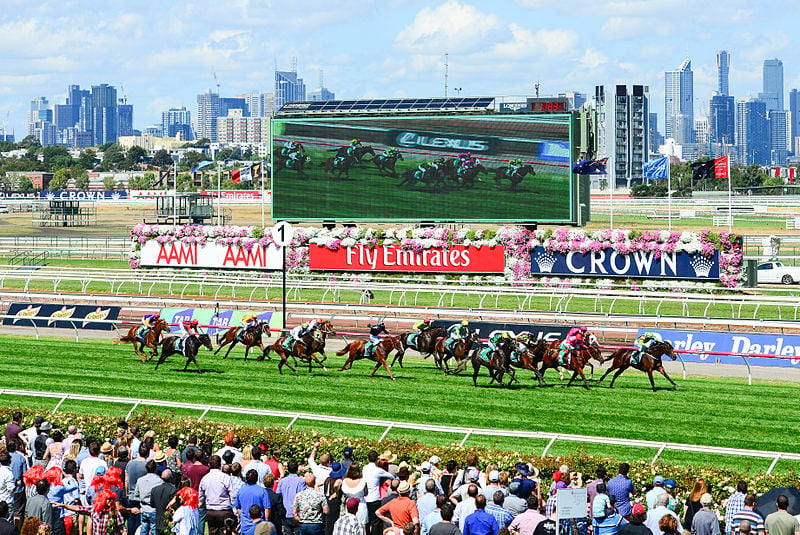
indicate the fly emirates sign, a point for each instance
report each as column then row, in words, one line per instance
column 209, row 255
column 455, row 259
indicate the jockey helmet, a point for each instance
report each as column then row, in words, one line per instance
column 464, row 322
column 505, row 334
column 156, row 315
column 195, row 322
column 583, row 328
column 427, row 320
column 320, row 320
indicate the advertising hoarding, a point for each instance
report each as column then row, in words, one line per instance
column 222, row 319
column 61, row 316
column 638, row 264
column 209, row 255
column 455, row 259
column 77, row 195
column 366, row 185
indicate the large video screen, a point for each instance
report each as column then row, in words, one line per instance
column 443, row 168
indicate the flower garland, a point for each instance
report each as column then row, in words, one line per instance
column 517, row 241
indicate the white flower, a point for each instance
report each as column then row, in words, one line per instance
column 348, row 242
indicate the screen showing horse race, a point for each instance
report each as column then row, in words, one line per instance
column 439, row 168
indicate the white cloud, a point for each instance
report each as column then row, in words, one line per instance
column 593, row 59
column 452, row 26
column 616, row 28
column 527, row 44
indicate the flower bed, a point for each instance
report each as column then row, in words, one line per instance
column 516, row 241
column 298, row 444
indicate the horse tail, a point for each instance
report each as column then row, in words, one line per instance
column 125, row 340
column 344, row 350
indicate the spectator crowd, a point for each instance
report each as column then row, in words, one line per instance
column 55, row 482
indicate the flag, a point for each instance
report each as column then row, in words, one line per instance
column 256, row 170
column 657, row 168
column 590, row 167
column 701, row 170
column 245, row 174
column 201, row 165
column 721, row 167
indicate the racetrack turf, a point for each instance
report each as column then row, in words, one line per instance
column 707, row 411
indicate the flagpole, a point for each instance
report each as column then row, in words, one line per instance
column 261, row 172
column 669, row 195
column 219, row 196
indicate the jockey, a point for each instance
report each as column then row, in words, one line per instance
column 294, row 157
column 573, row 341
column 290, row 147
column 388, row 153
column 149, row 319
column 422, row 325
column 467, row 162
column 189, row 328
column 248, row 321
column 513, row 166
column 457, row 331
column 354, row 144
column 375, row 332
column 423, row 168
column 642, row 343
column 498, row 339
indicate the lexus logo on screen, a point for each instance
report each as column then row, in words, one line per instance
column 441, row 141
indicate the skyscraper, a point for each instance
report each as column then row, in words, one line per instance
column 124, row 118
column 722, row 114
column 629, row 111
column 794, row 118
column 105, row 127
column 778, row 136
column 723, row 68
column 177, row 121
column 773, row 84
column 207, row 114
column 679, row 103
column 656, row 139
column 752, row 130
column 288, row 88
column 258, row 104
column 38, row 112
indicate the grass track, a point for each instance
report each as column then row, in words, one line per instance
column 708, row 411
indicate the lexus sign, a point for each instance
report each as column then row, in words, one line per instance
column 445, row 142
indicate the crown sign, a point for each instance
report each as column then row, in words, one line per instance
column 701, row 265
column 545, row 261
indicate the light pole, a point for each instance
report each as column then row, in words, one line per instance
column 457, row 90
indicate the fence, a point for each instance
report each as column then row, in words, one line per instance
column 387, row 425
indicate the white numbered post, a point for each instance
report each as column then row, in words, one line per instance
column 282, row 234
column 570, row 503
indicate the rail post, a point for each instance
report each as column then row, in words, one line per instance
column 386, row 431
column 291, row 423
column 205, row 411
column 135, row 405
column 549, row 445
column 63, row 399
column 658, row 454
column 464, row 440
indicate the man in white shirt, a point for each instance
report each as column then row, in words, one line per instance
column 655, row 515
column 372, row 477
column 466, row 506
column 323, row 469
column 7, row 483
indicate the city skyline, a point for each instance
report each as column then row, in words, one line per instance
column 397, row 49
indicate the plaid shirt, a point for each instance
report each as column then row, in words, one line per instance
column 503, row 516
column 550, row 507
column 348, row 525
column 105, row 523
column 735, row 505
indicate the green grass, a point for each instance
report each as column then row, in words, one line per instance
column 707, row 411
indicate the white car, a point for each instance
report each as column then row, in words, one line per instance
column 773, row 272
column 3, row 209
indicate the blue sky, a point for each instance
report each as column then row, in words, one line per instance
column 164, row 53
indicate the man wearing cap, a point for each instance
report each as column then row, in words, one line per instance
column 347, row 458
column 40, row 444
column 401, row 510
column 160, row 497
column 622, row 489
column 636, row 525
column 659, row 511
column 705, row 521
column 480, row 522
column 493, row 485
column 309, row 508
column 655, row 492
column 460, row 494
column 372, row 477
column 513, row 502
column 669, row 486
column 778, row 523
column 749, row 514
column 735, row 504
column 348, row 523
column 526, row 523
column 249, row 495
column 425, row 468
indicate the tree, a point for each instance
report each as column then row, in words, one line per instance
column 107, row 145
column 145, row 181
column 192, row 158
column 56, row 156
column 59, row 180
column 87, row 159
column 186, row 183
column 28, row 142
column 161, row 159
column 133, row 156
column 109, row 183
column 81, row 180
column 113, row 157
column 205, row 181
column 25, row 184
column 226, row 154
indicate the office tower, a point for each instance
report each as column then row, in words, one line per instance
column 125, row 118
column 207, row 114
column 656, row 139
column 227, row 104
column 773, row 84
column 679, row 103
column 794, row 118
column 723, row 68
column 701, row 130
column 722, row 114
column 104, row 114
column 752, row 131
column 626, row 116
column 258, row 104
column 288, row 88
column 322, row 93
column 177, row 122
column 38, row 112
column 778, row 136
column 236, row 128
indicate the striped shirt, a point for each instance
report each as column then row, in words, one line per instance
column 755, row 519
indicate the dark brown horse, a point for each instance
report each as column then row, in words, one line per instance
column 191, row 347
column 301, row 351
column 577, row 359
column 296, row 164
column 424, row 343
column 649, row 361
column 385, row 164
column 495, row 361
column 250, row 338
column 357, row 351
column 515, row 178
column 460, row 352
column 339, row 165
column 152, row 338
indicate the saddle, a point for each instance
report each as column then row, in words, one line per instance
column 636, row 357
column 141, row 332
column 485, row 354
column 180, row 344
column 289, row 343
column 369, row 349
column 450, row 345
column 412, row 339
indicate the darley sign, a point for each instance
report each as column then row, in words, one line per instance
column 638, row 264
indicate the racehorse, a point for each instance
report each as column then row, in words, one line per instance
column 495, row 361
column 191, row 347
column 650, row 360
column 303, row 351
column 338, row 164
column 252, row 337
column 357, row 154
column 298, row 147
column 577, row 359
column 385, row 164
column 515, row 178
column 523, row 360
column 451, row 173
column 152, row 338
column 460, row 352
column 356, row 351
column 431, row 177
column 297, row 165
column 424, row 343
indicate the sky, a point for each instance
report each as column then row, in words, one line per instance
column 164, row 53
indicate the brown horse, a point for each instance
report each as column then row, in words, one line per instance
column 424, row 343
column 251, row 337
column 303, row 351
column 577, row 360
column 649, row 361
column 515, row 178
column 460, row 352
column 340, row 165
column 495, row 361
column 356, row 351
column 152, row 338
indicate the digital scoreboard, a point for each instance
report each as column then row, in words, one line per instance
column 548, row 105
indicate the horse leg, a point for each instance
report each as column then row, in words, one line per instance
column 385, row 365
column 476, row 367
column 246, row 351
column 664, row 373
column 233, row 344
column 619, row 372
column 162, row 358
column 591, row 367
column 348, row 361
column 224, row 343
column 611, row 369
column 650, row 376
column 577, row 372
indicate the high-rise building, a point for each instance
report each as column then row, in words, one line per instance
column 177, row 122
column 288, row 88
column 778, row 136
column 236, row 128
column 773, row 84
column 701, row 133
column 207, row 114
column 322, row 93
column 723, row 68
column 45, row 132
column 656, row 139
column 679, row 103
column 752, row 131
column 105, row 127
column 38, row 112
column 794, row 118
column 124, row 118
column 722, row 114
column 630, row 113
column 258, row 104
column 574, row 99
column 227, row 104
